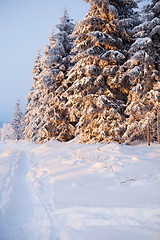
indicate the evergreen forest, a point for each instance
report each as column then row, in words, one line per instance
column 98, row 79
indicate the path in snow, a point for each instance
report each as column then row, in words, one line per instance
column 24, row 216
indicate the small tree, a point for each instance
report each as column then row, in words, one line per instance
column 7, row 132
column 17, row 121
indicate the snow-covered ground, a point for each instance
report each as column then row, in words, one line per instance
column 71, row 191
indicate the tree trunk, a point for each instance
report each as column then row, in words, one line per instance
column 148, row 133
column 158, row 135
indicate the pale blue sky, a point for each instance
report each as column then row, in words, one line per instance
column 24, row 26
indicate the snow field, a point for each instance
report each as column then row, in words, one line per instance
column 69, row 191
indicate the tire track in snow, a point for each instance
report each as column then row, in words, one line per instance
column 43, row 191
column 51, row 218
column 7, row 179
column 25, row 216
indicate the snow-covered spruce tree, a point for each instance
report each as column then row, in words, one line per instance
column 142, row 73
column 17, row 122
column 32, row 117
column 55, row 63
column 94, row 99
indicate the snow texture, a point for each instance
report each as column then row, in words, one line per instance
column 68, row 191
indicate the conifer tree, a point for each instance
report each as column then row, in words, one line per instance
column 48, row 107
column 94, row 98
column 142, row 72
column 33, row 117
column 17, row 122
